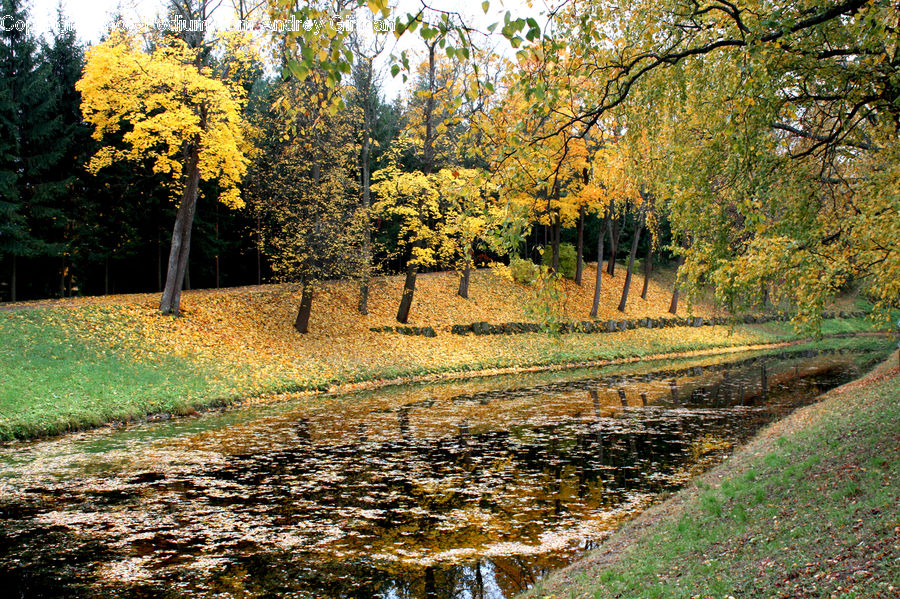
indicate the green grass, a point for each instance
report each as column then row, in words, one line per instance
column 816, row 516
column 54, row 379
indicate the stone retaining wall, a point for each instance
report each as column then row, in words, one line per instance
column 600, row 326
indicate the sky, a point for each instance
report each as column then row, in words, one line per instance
column 90, row 19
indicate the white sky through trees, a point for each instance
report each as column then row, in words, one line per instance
column 90, row 19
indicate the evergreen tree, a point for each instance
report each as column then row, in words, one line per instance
column 29, row 154
column 64, row 58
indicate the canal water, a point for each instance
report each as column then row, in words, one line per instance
column 467, row 489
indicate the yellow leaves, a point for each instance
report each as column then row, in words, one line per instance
column 378, row 6
column 167, row 103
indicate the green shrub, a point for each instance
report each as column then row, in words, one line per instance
column 523, row 271
column 566, row 259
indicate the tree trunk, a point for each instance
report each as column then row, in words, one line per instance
column 464, row 280
column 598, row 282
column 217, row 245
column 258, row 252
column 159, row 275
column 647, row 267
column 614, row 245
column 62, row 278
column 365, row 185
column 302, row 321
column 673, row 307
column 428, row 145
column 557, row 225
column 409, row 287
column 12, row 281
column 181, row 239
column 634, row 244
column 579, row 249
column 69, row 281
column 363, row 305
column 106, row 275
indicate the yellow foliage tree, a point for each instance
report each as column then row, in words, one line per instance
column 165, row 108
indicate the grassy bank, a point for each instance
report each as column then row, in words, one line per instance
column 81, row 363
column 809, row 509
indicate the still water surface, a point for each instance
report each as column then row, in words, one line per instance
column 467, row 490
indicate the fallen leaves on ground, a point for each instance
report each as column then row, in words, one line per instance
column 247, row 332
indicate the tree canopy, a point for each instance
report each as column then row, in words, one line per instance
column 753, row 143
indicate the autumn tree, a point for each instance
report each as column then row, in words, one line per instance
column 430, row 120
column 175, row 112
column 365, row 97
column 779, row 125
column 414, row 200
column 470, row 216
column 308, row 193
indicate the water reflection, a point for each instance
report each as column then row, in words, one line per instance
column 472, row 490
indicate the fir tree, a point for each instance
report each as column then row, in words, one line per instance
column 71, row 200
column 28, row 154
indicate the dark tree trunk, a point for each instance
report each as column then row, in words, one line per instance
column 363, row 306
column 181, row 239
column 409, row 288
column 12, row 281
column 428, row 146
column 258, row 252
column 647, row 267
column 557, row 225
column 159, row 268
column 365, row 185
column 599, row 280
column 631, row 255
column 306, row 297
column 614, row 245
column 673, row 306
column 464, row 280
column 217, row 245
column 106, row 275
column 579, row 247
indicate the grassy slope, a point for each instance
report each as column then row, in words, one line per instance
column 809, row 509
column 87, row 361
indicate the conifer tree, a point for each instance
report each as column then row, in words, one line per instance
column 64, row 59
column 29, row 154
